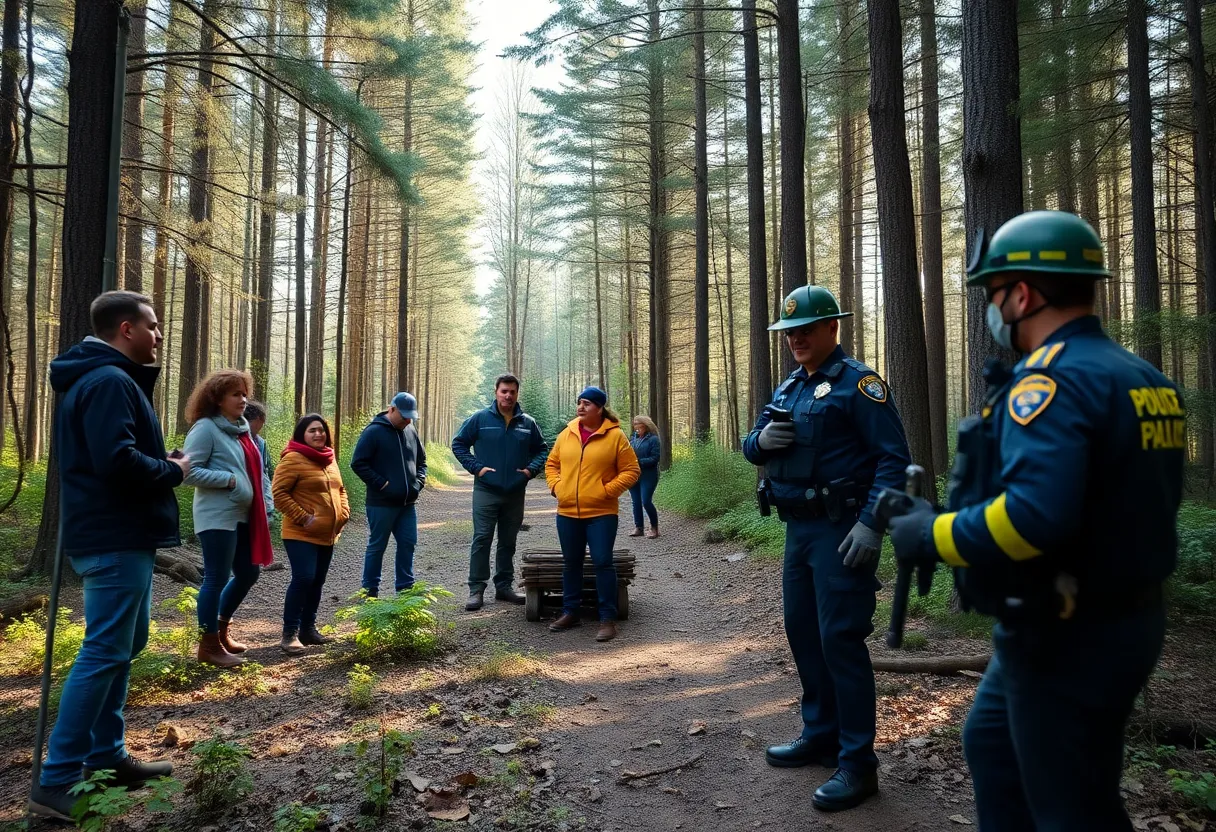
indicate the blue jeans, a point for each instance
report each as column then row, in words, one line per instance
column 642, row 494
column 829, row 611
column 576, row 535
column 402, row 523
column 117, row 607
column 1044, row 739
column 228, row 574
column 309, row 566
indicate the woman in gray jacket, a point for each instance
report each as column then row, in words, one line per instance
column 229, row 508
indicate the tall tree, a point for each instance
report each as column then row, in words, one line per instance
column 301, row 334
column 793, row 148
column 262, row 320
column 760, row 381
column 907, row 367
column 403, row 281
column 1205, row 183
column 194, row 340
column 701, row 279
column 992, row 151
column 133, row 153
column 931, row 235
column 1144, row 223
column 33, row 384
column 90, row 117
column 660, row 343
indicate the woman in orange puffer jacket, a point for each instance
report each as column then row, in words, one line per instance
column 308, row 491
column 590, row 466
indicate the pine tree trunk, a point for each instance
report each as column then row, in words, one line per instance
column 263, row 308
column 133, row 154
column 403, row 281
column 301, row 333
column 760, row 380
column 907, row 367
column 992, row 152
column 1147, row 297
column 793, row 149
column 856, row 303
column 33, row 379
column 780, row 356
column 701, row 415
column 660, row 365
column 194, row 340
column 844, row 221
column 90, row 103
column 342, row 275
column 10, row 64
column 1205, row 209
column 315, row 392
column 931, row 237
column 731, row 366
column 1066, row 180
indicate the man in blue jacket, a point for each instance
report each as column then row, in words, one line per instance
column 390, row 458
column 510, row 452
column 118, row 508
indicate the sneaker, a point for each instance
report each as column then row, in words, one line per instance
column 53, row 802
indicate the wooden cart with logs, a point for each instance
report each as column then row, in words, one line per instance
column 542, row 578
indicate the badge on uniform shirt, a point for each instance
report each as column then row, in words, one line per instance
column 873, row 387
column 1030, row 397
column 822, row 390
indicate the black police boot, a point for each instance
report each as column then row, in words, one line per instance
column 509, row 595
column 800, row 753
column 845, row 790
column 131, row 773
column 476, row 601
column 53, row 802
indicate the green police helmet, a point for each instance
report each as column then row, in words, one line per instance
column 806, row 305
column 1053, row 242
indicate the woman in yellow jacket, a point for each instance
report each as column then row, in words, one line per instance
column 308, row 491
column 590, row 467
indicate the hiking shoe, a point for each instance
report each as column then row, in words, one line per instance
column 54, row 802
column 476, row 601
column 564, row 623
column 509, row 595
column 132, row 773
column 607, row 631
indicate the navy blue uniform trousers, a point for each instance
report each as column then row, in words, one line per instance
column 829, row 611
column 1044, row 739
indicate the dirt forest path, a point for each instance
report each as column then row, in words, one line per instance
column 704, row 644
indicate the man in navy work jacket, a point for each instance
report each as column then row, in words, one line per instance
column 1061, row 523
column 510, row 451
column 390, row 458
column 118, row 509
column 831, row 440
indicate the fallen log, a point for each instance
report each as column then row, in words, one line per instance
column 180, row 568
column 22, row 603
column 936, row 665
column 1172, row 728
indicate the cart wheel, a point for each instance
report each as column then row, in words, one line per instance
column 622, row 602
column 532, row 604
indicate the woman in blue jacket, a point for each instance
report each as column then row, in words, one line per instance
column 645, row 442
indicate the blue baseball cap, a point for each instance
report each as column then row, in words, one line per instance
column 594, row 395
column 406, row 405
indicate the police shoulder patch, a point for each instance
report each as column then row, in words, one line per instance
column 873, row 387
column 1030, row 397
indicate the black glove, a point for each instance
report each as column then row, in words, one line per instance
column 912, row 533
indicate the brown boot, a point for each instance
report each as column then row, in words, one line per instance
column 211, row 651
column 607, row 631
column 564, row 623
column 637, row 532
column 291, row 644
column 225, row 634
column 653, row 533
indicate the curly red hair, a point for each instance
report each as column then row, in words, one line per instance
column 205, row 399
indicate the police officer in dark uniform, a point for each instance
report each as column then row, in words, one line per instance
column 1061, row 524
column 830, row 440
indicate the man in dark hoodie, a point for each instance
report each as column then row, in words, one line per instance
column 390, row 458
column 118, row 508
column 510, row 452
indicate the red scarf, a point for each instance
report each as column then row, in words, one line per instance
column 261, row 552
column 321, row 456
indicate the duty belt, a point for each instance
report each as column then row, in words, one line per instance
column 834, row 501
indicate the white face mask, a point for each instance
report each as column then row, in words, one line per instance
column 1002, row 332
